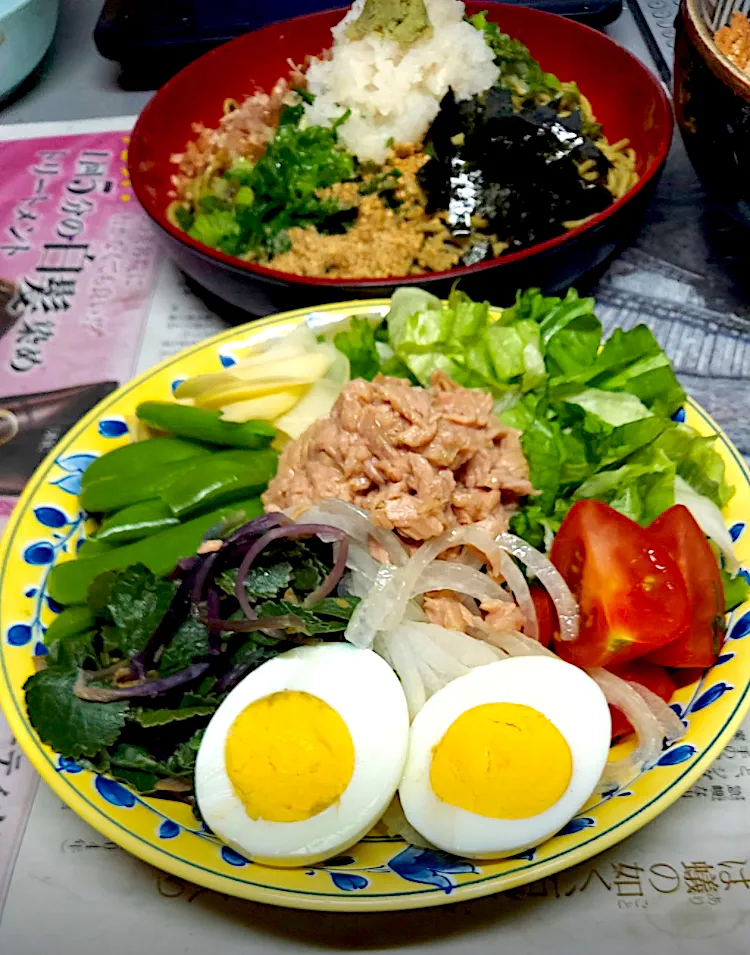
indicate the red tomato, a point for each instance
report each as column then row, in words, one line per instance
column 699, row 643
column 630, row 592
column 653, row 677
column 546, row 614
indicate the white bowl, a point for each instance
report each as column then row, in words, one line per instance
column 26, row 31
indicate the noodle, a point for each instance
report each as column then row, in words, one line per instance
column 400, row 235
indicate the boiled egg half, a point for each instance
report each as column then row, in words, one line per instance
column 502, row 758
column 304, row 755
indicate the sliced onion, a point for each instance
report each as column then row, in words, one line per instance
column 451, row 575
column 673, row 726
column 396, row 824
column 520, row 589
column 709, row 518
column 357, row 524
column 401, row 657
column 427, row 657
column 384, row 609
column 513, row 643
column 550, row 577
column 649, row 729
column 466, row 649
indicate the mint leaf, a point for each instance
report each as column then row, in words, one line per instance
column 70, row 726
column 75, row 650
column 128, row 756
column 141, row 782
column 340, row 607
column 310, row 622
column 136, row 603
column 256, row 649
column 160, row 717
column 189, row 645
column 307, row 575
column 260, row 581
column 182, row 761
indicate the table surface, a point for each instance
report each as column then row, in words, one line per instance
column 685, row 275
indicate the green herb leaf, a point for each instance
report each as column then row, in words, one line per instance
column 137, row 602
column 71, row 726
column 75, row 650
column 127, row 756
column 340, row 607
column 260, row 581
column 189, row 645
column 160, row 717
column 182, row 761
column 141, row 782
column 256, row 649
column 310, row 622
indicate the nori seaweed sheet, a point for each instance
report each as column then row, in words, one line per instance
column 514, row 167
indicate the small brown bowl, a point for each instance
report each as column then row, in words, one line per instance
column 712, row 105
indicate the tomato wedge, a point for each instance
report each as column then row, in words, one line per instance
column 653, row 677
column 546, row 614
column 699, row 643
column 630, row 592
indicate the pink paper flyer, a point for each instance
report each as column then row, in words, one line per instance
column 77, row 269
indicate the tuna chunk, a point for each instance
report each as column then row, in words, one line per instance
column 420, row 460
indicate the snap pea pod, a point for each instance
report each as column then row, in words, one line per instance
column 117, row 491
column 69, row 582
column 91, row 547
column 225, row 477
column 72, row 621
column 136, row 521
column 201, row 424
column 133, row 459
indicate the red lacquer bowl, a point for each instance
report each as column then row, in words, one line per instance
column 626, row 98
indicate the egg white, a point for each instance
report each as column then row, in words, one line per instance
column 570, row 700
column 365, row 692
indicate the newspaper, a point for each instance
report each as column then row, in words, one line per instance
column 675, row 887
column 87, row 300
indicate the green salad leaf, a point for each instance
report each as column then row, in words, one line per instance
column 160, row 717
column 71, row 726
column 136, row 602
column 313, row 620
column 188, row 645
column 360, row 347
column 260, row 581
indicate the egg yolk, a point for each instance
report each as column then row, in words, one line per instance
column 289, row 756
column 503, row 761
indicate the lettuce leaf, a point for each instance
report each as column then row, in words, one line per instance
column 595, row 416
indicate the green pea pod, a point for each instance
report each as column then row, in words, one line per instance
column 136, row 522
column 91, row 547
column 136, row 458
column 69, row 582
column 200, row 424
column 121, row 490
column 224, row 477
column 72, row 621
